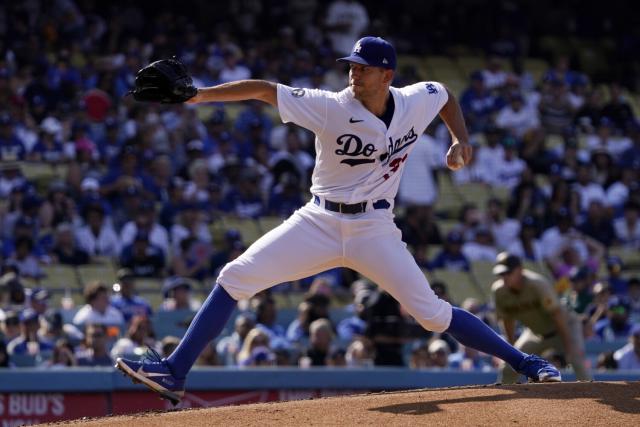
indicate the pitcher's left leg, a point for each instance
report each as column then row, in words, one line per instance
column 385, row 259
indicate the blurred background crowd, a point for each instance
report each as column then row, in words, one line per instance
column 117, row 216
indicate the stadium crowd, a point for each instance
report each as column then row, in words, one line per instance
column 145, row 187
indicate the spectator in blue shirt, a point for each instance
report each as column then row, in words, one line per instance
column 48, row 149
column 266, row 315
column 285, row 197
column 125, row 298
column 111, row 144
column 616, row 326
column 28, row 342
column 618, row 284
column 478, row 104
column 142, row 257
column 94, row 351
column 254, row 117
column 11, row 148
column 451, row 256
column 630, row 158
column 356, row 325
column 245, row 200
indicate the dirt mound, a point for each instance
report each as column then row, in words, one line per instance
column 594, row 403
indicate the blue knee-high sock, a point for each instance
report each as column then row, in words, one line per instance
column 473, row 332
column 206, row 325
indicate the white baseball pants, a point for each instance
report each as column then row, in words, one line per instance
column 314, row 240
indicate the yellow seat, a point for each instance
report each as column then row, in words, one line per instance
column 482, row 272
column 631, row 274
column 470, row 63
column 630, row 257
column 501, row 193
column 410, row 61
column 217, row 230
column 456, row 86
column 446, row 225
column 449, row 199
column 538, row 267
column 460, row 285
column 248, row 228
column 75, row 294
column 434, row 250
column 554, row 141
column 233, row 110
column 104, row 273
column 537, row 68
column 171, row 323
column 475, row 192
column 60, row 276
column 148, row 284
column 153, row 297
column 268, row 223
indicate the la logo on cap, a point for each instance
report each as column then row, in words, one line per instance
column 357, row 47
column 384, row 61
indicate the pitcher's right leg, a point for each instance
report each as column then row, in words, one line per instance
column 307, row 243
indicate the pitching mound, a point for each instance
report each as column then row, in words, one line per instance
column 596, row 403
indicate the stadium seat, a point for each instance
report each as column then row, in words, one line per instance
column 104, row 273
column 554, row 141
column 446, row 225
column 42, row 174
column 233, row 110
column 411, row 61
column 268, row 223
column 537, row 68
column 433, row 250
column 595, row 347
column 339, row 314
column 501, row 193
column 449, row 200
column 149, row 284
column 249, row 228
column 153, row 297
column 442, row 68
column 24, row 360
column 60, row 276
column 460, row 285
column 69, row 314
column 630, row 274
column 475, row 192
column 173, row 323
column 538, row 267
column 630, row 257
column 285, row 300
column 470, row 63
column 285, row 316
column 482, row 272
column 456, row 85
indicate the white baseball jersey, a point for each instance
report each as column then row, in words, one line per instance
column 357, row 157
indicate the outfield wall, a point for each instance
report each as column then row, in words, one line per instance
column 30, row 396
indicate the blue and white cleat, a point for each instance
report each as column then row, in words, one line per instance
column 153, row 372
column 539, row 370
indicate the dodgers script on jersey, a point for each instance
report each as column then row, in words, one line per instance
column 357, row 157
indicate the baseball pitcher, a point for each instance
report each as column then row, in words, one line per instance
column 364, row 135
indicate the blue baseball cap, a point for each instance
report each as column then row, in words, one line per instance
column 374, row 51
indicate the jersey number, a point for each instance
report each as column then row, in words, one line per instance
column 394, row 165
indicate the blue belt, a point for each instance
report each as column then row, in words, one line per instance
column 355, row 208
